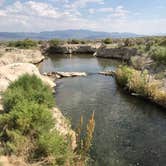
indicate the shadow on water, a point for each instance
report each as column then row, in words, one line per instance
column 129, row 131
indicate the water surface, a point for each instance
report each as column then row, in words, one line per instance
column 129, row 131
column 77, row 63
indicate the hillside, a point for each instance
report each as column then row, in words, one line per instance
column 64, row 34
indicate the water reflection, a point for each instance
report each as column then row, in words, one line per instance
column 79, row 63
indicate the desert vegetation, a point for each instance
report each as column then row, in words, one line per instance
column 107, row 41
column 158, row 54
column 27, row 126
column 141, row 83
column 55, row 42
column 23, row 44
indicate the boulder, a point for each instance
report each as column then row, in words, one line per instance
column 71, row 74
column 107, row 73
column 57, row 75
column 14, row 55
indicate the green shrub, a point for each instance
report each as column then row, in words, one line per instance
column 74, row 41
column 123, row 73
column 83, row 42
column 30, row 88
column 158, row 54
column 129, row 42
column 27, row 125
column 55, row 42
column 23, row 44
column 52, row 144
column 163, row 43
column 107, row 41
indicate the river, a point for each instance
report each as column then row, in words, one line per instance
column 129, row 131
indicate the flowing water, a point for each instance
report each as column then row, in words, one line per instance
column 129, row 131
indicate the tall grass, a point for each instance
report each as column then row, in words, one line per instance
column 141, row 83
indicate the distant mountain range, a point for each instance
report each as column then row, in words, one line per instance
column 64, row 34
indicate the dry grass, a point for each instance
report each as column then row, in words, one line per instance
column 141, row 83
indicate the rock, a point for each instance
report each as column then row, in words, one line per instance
column 14, row 55
column 65, row 74
column 63, row 126
column 13, row 161
column 11, row 72
column 73, row 49
column 71, row 74
column 107, row 73
column 122, row 53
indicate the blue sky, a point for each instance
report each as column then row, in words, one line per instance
column 138, row 16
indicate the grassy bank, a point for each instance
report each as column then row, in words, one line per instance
column 142, row 84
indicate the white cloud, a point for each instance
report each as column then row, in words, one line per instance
column 91, row 11
column 1, row 2
column 32, row 8
column 120, row 12
column 106, row 9
column 40, row 16
column 37, row 16
column 83, row 3
column 2, row 13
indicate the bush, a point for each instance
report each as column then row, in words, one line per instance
column 139, row 83
column 52, row 144
column 27, row 126
column 163, row 43
column 158, row 54
column 30, row 88
column 55, row 42
column 123, row 75
column 107, row 41
column 23, row 44
column 74, row 41
column 129, row 42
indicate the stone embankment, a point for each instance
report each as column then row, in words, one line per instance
column 98, row 50
column 121, row 53
column 72, row 49
column 14, row 55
